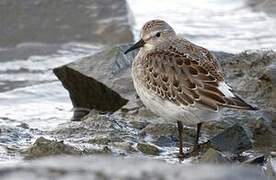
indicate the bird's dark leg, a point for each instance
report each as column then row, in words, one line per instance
column 180, row 133
column 196, row 144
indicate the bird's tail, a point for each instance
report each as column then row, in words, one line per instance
column 232, row 100
column 238, row 103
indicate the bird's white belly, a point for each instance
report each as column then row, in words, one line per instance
column 189, row 115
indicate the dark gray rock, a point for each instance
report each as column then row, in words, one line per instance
column 63, row 21
column 101, row 81
column 108, row 168
column 233, row 139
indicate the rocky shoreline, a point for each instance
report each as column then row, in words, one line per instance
column 111, row 131
column 242, row 138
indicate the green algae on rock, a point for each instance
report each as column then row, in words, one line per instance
column 214, row 157
column 45, row 147
column 147, row 148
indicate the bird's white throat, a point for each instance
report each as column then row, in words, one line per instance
column 148, row 46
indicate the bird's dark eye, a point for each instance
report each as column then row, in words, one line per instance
column 158, row 34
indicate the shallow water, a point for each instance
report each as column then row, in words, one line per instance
column 32, row 100
column 221, row 25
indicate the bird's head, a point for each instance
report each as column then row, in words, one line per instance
column 152, row 33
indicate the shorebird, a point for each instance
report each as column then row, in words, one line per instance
column 180, row 81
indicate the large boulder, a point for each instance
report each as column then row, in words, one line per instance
column 63, row 21
column 101, row 81
column 99, row 167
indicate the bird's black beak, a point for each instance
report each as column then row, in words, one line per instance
column 137, row 45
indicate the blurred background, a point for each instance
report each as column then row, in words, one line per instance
column 38, row 35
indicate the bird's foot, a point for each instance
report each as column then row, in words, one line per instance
column 181, row 157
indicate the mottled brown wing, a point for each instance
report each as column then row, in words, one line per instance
column 204, row 57
column 184, row 81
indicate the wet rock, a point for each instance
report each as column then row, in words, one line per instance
column 45, row 147
column 110, row 168
column 65, row 21
column 214, row 157
column 147, row 148
column 259, row 159
column 101, row 81
column 233, row 139
column 100, row 96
